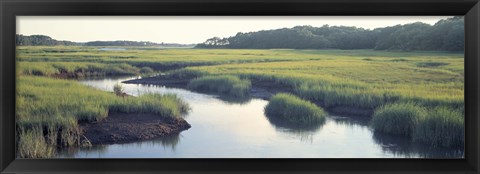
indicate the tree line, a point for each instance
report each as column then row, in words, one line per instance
column 445, row 35
column 34, row 40
column 38, row 40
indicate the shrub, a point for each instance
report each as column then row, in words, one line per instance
column 294, row 110
column 118, row 89
column 398, row 118
column 442, row 127
column 146, row 70
column 225, row 84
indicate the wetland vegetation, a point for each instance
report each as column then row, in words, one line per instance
column 417, row 94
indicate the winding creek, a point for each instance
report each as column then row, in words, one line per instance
column 239, row 129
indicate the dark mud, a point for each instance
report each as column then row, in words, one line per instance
column 131, row 127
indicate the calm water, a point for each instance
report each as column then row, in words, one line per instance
column 237, row 129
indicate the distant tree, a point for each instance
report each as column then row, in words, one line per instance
column 35, row 40
column 447, row 34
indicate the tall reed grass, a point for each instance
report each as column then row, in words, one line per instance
column 439, row 126
column 442, row 127
column 398, row 118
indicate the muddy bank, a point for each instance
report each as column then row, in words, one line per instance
column 131, row 127
column 260, row 89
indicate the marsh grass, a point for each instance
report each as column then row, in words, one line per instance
column 438, row 126
column 32, row 144
column 147, row 70
column 442, row 127
column 75, row 69
column 294, row 110
column 167, row 105
column 431, row 64
column 352, row 78
column 225, row 84
column 398, row 118
column 58, row 105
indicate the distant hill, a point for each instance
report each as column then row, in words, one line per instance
column 42, row 40
column 445, row 35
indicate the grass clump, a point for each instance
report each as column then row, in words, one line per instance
column 224, row 84
column 442, row 127
column 32, row 144
column 398, row 118
column 118, row 89
column 167, row 105
column 147, row 70
column 294, row 110
column 431, row 64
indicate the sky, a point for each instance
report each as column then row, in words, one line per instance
column 188, row 29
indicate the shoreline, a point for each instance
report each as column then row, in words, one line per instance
column 260, row 89
column 131, row 127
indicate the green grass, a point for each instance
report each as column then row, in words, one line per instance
column 349, row 78
column 226, row 84
column 353, row 82
column 442, row 127
column 32, row 144
column 76, row 69
column 60, row 104
column 292, row 109
column 398, row 118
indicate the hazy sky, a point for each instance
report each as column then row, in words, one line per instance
column 187, row 29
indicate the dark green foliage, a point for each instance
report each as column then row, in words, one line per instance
column 292, row 109
column 398, row 118
column 447, row 34
column 37, row 40
column 34, row 40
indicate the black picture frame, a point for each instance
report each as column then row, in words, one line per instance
column 11, row 8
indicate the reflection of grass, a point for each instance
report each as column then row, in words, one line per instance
column 235, row 100
column 59, row 104
column 402, row 146
column 294, row 110
column 228, row 85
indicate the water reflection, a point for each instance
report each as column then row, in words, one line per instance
column 168, row 143
column 402, row 146
column 225, row 127
column 283, row 125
